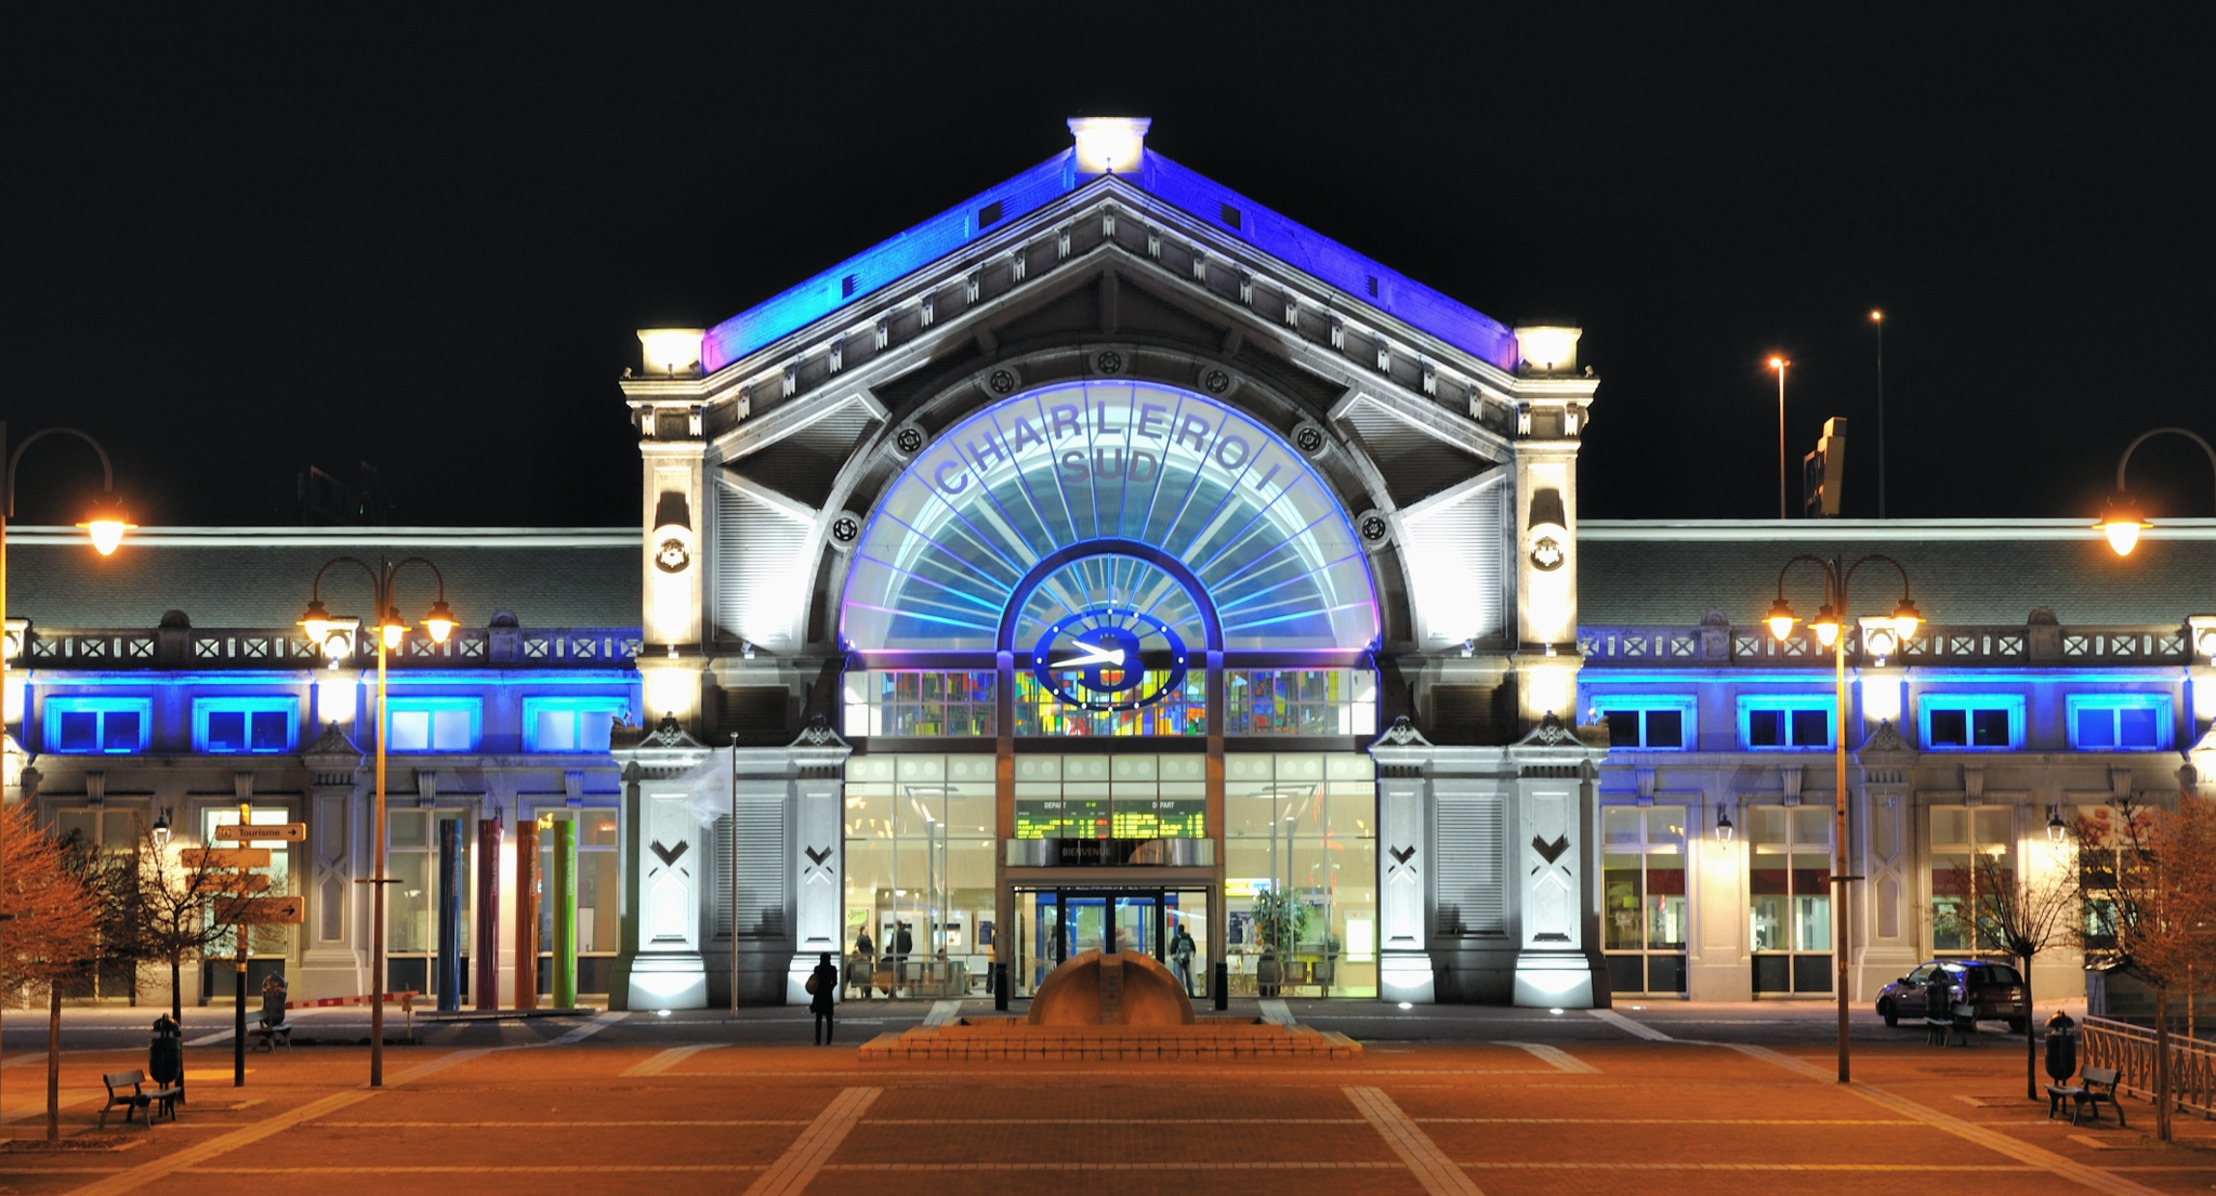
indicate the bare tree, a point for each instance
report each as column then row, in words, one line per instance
column 176, row 906
column 1998, row 909
column 2150, row 892
column 49, row 927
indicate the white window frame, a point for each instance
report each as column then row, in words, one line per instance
column 53, row 708
column 2012, row 704
column 1787, row 703
column 203, row 707
column 1684, row 704
column 579, row 708
column 432, row 707
column 2165, row 720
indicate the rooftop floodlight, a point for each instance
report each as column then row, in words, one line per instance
column 1781, row 619
column 440, row 622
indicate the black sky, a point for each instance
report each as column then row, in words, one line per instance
column 245, row 240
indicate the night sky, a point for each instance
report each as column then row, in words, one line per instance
column 247, row 239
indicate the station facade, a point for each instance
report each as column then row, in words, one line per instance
column 1111, row 560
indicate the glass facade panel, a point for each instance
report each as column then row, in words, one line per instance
column 1789, row 897
column 919, row 703
column 1970, row 846
column 1039, row 712
column 1300, row 853
column 1300, row 702
column 920, row 847
column 1643, row 896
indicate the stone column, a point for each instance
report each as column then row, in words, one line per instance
column 658, row 962
column 334, row 955
column 1404, row 843
column 1558, row 962
column 817, row 764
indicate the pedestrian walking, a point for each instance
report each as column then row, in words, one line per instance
column 1938, row 1007
column 1181, row 958
column 823, row 991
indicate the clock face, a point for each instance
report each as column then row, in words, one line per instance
column 1099, row 660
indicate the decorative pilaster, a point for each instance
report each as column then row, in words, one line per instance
column 334, row 956
column 1404, row 971
column 1558, row 963
column 659, row 964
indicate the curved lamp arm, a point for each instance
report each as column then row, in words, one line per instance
column 107, row 470
column 2145, row 436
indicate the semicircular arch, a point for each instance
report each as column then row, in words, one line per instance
column 1050, row 470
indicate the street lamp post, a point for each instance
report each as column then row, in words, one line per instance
column 390, row 631
column 2122, row 522
column 1829, row 625
column 1877, row 322
column 1779, row 364
column 106, row 523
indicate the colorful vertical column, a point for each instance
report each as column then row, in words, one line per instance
column 565, row 914
column 527, row 912
column 486, row 979
column 450, row 914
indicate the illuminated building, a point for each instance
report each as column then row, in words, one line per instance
column 1110, row 554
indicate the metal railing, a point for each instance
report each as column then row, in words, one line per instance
column 1715, row 645
column 2130, row 1050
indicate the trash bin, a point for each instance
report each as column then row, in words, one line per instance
column 165, row 1053
column 2061, row 1048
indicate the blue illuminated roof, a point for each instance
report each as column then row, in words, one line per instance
column 890, row 260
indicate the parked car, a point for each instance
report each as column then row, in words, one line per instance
column 1996, row 989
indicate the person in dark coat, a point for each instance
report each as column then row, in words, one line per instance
column 823, row 991
column 1938, row 1007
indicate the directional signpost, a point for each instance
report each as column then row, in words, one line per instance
column 230, row 870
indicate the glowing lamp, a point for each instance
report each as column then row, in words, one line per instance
column 1108, row 144
column 161, row 829
column 440, row 622
column 393, row 629
column 1826, row 625
column 2121, row 523
column 1781, row 619
column 2055, row 828
column 107, row 525
column 669, row 352
column 1906, row 619
column 1724, row 829
column 1548, row 347
column 317, row 621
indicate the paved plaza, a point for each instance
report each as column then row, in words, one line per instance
column 1673, row 1098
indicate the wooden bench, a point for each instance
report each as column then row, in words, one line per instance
column 160, row 1100
column 2098, row 1084
column 267, row 1037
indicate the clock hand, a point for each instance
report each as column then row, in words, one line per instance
column 1096, row 656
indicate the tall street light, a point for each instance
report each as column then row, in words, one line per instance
column 1779, row 364
column 2122, row 521
column 1828, row 624
column 1877, row 322
column 391, row 630
column 106, row 522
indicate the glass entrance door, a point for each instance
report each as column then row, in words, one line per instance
column 1055, row 925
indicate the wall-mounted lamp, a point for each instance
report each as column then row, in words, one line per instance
column 1724, row 829
column 2056, row 829
column 161, row 828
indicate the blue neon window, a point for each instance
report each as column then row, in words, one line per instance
column 432, row 724
column 245, row 724
column 1972, row 722
column 110, row 726
column 1654, row 721
column 2119, row 722
column 1785, row 723
column 569, row 724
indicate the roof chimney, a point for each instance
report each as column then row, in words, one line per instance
column 1109, row 144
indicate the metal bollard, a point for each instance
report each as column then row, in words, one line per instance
column 1000, row 988
column 1219, row 986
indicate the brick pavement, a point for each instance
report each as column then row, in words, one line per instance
column 1499, row 1118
